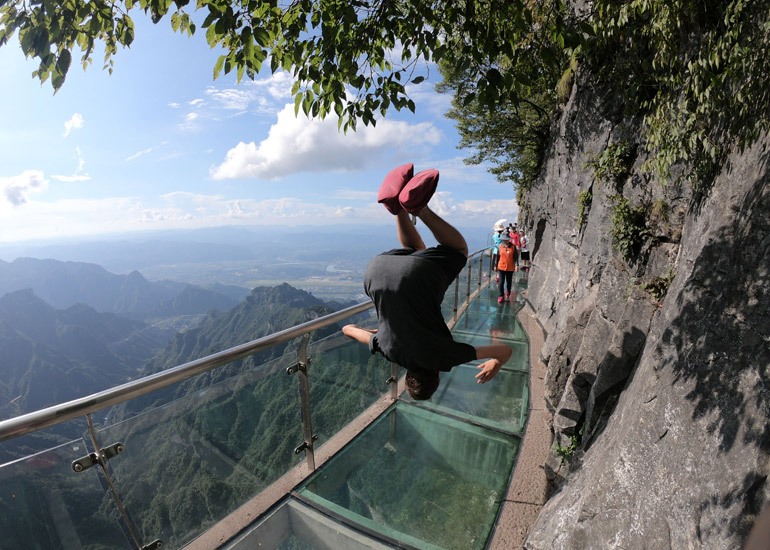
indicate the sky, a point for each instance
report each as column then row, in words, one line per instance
column 159, row 144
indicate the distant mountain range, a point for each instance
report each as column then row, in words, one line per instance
column 129, row 251
column 49, row 356
column 64, row 284
column 215, row 439
column 265, row 311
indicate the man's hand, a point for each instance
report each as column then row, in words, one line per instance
column 499, row 354
column 488, row 370
column 357, row 333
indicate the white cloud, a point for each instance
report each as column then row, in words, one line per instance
column 75, row 121
column 278, row 85
column 298, row 144
column 231, row 99
column 428, row 99
column 79, row 174
column 139, row 154
column 190, row 122
column 187, row 210
column 16, row 189
column 262, row 96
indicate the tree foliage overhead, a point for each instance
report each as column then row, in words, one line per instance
column 694, row 71
column 513, row 135
column 697, row 71
column 352, row 58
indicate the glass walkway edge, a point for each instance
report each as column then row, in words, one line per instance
column 168, row 460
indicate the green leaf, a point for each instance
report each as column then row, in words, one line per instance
column 262, row 37
column 297, row 103
column 63, row 63
column 218, row 66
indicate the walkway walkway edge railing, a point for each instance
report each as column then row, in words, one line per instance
column 62, row 412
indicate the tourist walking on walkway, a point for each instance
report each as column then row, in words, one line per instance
column 524, row 250
column 497, row 232
column 505, row 268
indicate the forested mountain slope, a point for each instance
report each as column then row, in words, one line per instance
column 51, row 356
column 242, row 420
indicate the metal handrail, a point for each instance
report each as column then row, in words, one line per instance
column 56, row 414
column 62, row 412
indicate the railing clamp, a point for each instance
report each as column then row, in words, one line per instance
column 390, row 380
column 301, row 366
column 154, row 545
column 84, row 463
column 305, row 445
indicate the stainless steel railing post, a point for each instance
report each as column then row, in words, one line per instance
column 304, row 395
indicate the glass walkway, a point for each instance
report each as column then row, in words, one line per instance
column 165, row 460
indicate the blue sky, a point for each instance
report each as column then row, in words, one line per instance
column 160, row 144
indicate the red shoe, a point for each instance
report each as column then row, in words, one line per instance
column 497, row 278
column 392, row 185
column 417, row 193
column 507, row 296
column 500, row 300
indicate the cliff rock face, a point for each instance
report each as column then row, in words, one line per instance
column 658, row 362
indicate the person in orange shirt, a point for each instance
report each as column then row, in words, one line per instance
column 506, row 265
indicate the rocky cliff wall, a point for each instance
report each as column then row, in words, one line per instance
column 658, row 359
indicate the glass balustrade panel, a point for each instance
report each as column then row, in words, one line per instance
column 44, row 504
column 420, row 478
column 345, row 379
column 191, row 461
column 460, row 286
column 520, row 350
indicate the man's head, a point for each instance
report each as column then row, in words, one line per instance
column 421, row 385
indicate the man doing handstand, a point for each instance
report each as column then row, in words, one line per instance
column 407, row 286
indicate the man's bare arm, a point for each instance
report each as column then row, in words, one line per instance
column 357, row 333
column 498, row 355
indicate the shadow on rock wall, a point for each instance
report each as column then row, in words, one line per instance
column 719, row 347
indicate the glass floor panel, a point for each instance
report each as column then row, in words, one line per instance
column 296, row 526
column 501, row 403
column 418, row 477
column 519, row 361
column 485, row 316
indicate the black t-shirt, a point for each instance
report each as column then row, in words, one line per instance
column 407, row 288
